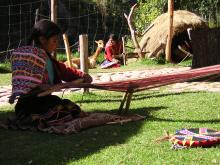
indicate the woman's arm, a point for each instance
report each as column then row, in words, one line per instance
column 69, row 74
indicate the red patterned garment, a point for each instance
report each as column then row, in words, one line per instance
column 29, row 70
column 112, row 50
column 28, row 67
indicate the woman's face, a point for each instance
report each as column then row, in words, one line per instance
column 49, row 45
column 112, row 42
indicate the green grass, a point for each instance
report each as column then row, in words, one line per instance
column 5, row 79
column 138, row 65
column 141, row 65
column 5, row 73
column 5, row 67
column 131, row 143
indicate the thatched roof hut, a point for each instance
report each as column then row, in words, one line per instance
column 154, row 40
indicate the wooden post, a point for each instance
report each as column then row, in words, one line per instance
column 53, row 6
column 170, row 30
column 53, row 11
column 83, row 45
column 123, row 102
column 67, row 47
column 36, row 15
column 124, row 51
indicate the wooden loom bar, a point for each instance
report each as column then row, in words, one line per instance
column 170, row 30
column 67, row 47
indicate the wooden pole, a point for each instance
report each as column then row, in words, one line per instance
column 67, row 47
column 124, row 51
column 123, row 102
column 170, row 30
column 53, row 11
column 83, row 45
column 36, row 15
column 53, row 6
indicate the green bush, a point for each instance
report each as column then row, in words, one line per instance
column 5, row 67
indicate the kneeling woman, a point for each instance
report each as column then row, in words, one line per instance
column 33, row 67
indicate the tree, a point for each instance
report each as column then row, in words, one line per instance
column 149, row 10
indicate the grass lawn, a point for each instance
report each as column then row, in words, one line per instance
column 5, row 73
column 131, row 143
column 141, row 65
column 5, row 79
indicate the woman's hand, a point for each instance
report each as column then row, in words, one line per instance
column 115, row 60
column 87, row 78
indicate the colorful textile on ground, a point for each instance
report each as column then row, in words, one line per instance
column 109, row 64
column 61, row 121
column 55, row 115
column 196, row 137
column 28, row 67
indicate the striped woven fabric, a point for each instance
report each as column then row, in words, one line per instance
column 141, row 84
column 196, row 137
column 28, row 67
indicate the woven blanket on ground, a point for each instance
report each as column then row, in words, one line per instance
column 28, row 67
column 55, row 115
column 109, row 64
column 192, row 137
column 61, row 122
column 196, row 137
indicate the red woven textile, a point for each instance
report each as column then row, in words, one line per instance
column 145, row 83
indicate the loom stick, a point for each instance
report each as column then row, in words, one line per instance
column 57, row 87
column 128, row 102
column 123, row 102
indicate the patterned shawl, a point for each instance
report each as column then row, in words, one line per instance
column 28, row 68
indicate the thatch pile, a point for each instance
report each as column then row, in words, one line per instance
column 153, row 42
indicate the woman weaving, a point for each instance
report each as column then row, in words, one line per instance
column 113, row 53
column 33, row 68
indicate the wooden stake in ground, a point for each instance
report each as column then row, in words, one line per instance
column 67, row 47
column 170, row 30
column 83, row 45
column 124, row 51
column 36, row 16
column 53, row 12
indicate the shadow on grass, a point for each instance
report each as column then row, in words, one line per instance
column 136, row 96
column 158, row 95
column 213, row 121
column 2, row 70
column 21, row 147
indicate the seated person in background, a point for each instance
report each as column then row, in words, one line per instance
column 113, row 53
column 33, row 68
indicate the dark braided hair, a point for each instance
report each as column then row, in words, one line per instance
column 44, row 28
column 113, row 37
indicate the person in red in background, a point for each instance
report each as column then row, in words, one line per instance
column 113, row 53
